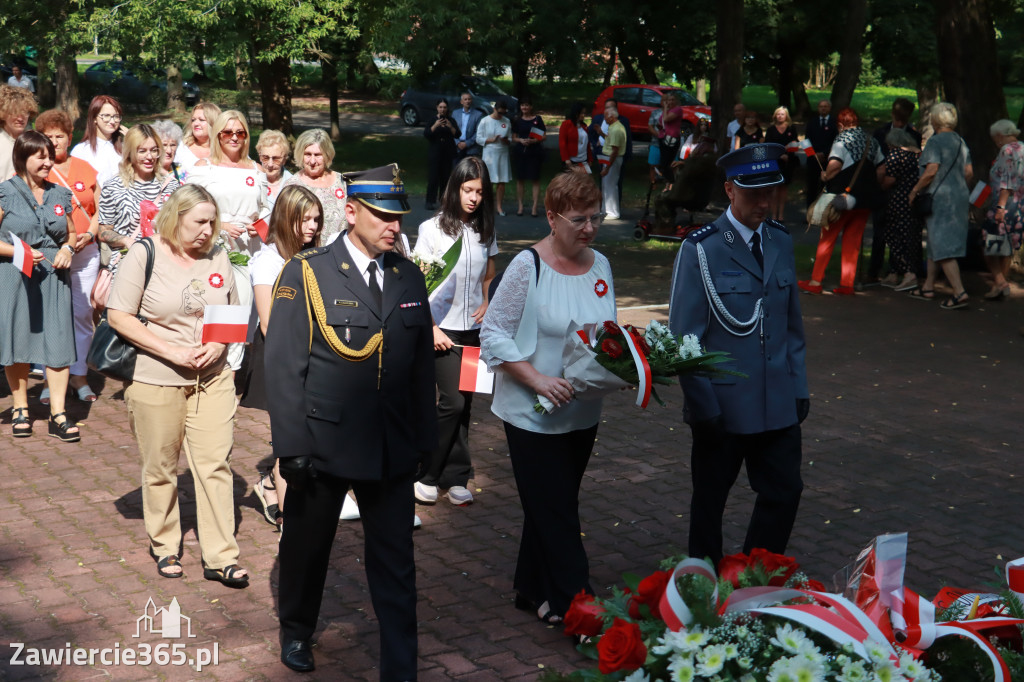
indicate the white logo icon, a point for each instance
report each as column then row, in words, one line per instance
column 165, row 621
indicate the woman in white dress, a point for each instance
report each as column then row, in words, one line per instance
column 558, row 280
column 196, row 142
column 493, row 135
column 239, row 186
column 314, row 154
column 104, row 134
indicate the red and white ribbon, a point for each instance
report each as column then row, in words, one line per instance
column 674, row 610
column 643, row 370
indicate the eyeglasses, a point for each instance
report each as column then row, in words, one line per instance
column 232, row 134
column 271, row 159
column 580, row 221
column 108, row 118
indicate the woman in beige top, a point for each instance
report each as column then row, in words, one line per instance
column 182, row 392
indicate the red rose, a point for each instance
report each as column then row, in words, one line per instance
column 773, row 562
column 584, row 616
column 651, row 589
column 815, row 585
column 621, row 648
column 641, row 343
column 612, row 328
column 730, row 567
column 612, row 348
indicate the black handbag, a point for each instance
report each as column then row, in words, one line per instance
column 109, row 353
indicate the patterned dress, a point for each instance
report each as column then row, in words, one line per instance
column 120, row 206
column 1008, row 173
column 947, row 225
column 332, row 199
column 903, row 228
column 35, row 312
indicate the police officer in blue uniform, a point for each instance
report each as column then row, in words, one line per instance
column 734, row 287
column 350, row 362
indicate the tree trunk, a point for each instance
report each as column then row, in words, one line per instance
column 520, row 77
column 927, row 95
column 786, row 83
column 67, row 85
column 970, row 73
column 243, row 69
column 199, row 56
column 801, row 102
column 329, row 68
column 850, row 57
column 370, row 75
column 701, row 89
column 609, row 70
column 45, row 90
column 728, row 85
column 631, row 75
column 175, row 91
column 647, row 69
column 276, row 94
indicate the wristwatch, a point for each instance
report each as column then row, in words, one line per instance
column 70, row 248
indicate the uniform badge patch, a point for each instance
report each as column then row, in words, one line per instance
column 729, row 236
column 411, row 304
column 286, row 292
column 345, row 266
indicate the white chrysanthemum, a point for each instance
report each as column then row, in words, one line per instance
column 693, row 640
column 671, row 642
column 690, row 347
column 913, row 669
column 731, row 651
column 887, row 673
column 637, row 676
column 853, row 671
column 745, row 662
column 790, row 639
column 781, row 671
column 681, row 669
column 711, row 659
column 805, row 669
column 877, row 653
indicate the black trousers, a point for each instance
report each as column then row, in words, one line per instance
column 386, row 511
column 450, row 463
column 440, row 158
column 773, row 467
column 552, row 564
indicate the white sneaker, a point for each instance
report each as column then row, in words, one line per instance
column 459, row 496
column 416, row 523
column 349, row 510
column 427, row 494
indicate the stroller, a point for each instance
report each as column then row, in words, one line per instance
column 691, row 191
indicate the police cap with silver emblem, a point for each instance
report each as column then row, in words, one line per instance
column 379, row 188
column 755, row 165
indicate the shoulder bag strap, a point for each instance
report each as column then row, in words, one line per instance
column 860, row 164
column 946, row 174
column 77, row 201
column 150, row 259
column 536, row 262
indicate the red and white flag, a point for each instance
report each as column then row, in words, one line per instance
column 22, row 257
column 474, row 375
column 604, row 160
column 980, row 194
column 805, row 144
column 225, row 323
column 792, row 146
column 536, row 133
column 261, row 228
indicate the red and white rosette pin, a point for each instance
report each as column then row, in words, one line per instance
column 269, row 191
column 79, row 186
column 251, row 181
column 216, row 280
column 643, row 370
column 58, row 210
column 600, row 288
column 339, row 193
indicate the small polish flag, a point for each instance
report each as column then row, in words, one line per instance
column 474, row 375
column 536, row 133
column 22, row 257
column 793, row 146
column 805, row 144
column 603, row 160
column 686, row 152
column 262, row 228
column 980, row 194
column 225, row 323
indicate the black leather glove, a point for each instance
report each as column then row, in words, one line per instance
column 297, row 471
column 803, row 406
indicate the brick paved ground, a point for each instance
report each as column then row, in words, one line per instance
column 914, row 426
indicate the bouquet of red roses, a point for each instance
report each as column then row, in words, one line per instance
column 599, row 359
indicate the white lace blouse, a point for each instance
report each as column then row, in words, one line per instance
column 528, row 320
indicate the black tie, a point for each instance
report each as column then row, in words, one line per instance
column 822, row 121
column 378, row 295
column 755, row 248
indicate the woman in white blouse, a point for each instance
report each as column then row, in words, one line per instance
column 295, row 224
column 560, row 279
column 493, row 135
column 239, row 186
column 196, row 142
column 458, row 306
column 104, row 134
column 314, row 154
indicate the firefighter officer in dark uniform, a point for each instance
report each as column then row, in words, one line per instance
column 734, row 287
column 350, row 363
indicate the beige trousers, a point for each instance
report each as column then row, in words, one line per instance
column 165, row 420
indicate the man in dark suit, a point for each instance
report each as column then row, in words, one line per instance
column 734, row 287
column 351, row 360
column 821, row 131
column 467, row 119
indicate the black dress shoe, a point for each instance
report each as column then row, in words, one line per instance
column 297, row 655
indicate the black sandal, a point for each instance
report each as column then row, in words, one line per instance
column 271, row 512
column 21, row 425
column 525, row 604
column 227, row 576
column 166, row 562
column 955, row 302
column 62, row 430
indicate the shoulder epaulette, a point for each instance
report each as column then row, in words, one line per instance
column 776, row 224
column 702, row 233
column 309, row 253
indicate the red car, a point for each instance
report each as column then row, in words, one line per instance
column 636, row 102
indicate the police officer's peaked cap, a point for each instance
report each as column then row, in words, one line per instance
column 379, row 188
column 755, row 165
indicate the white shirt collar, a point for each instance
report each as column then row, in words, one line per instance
column 744, row 231
column 360, row 259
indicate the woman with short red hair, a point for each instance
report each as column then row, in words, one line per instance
column 855, row 169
